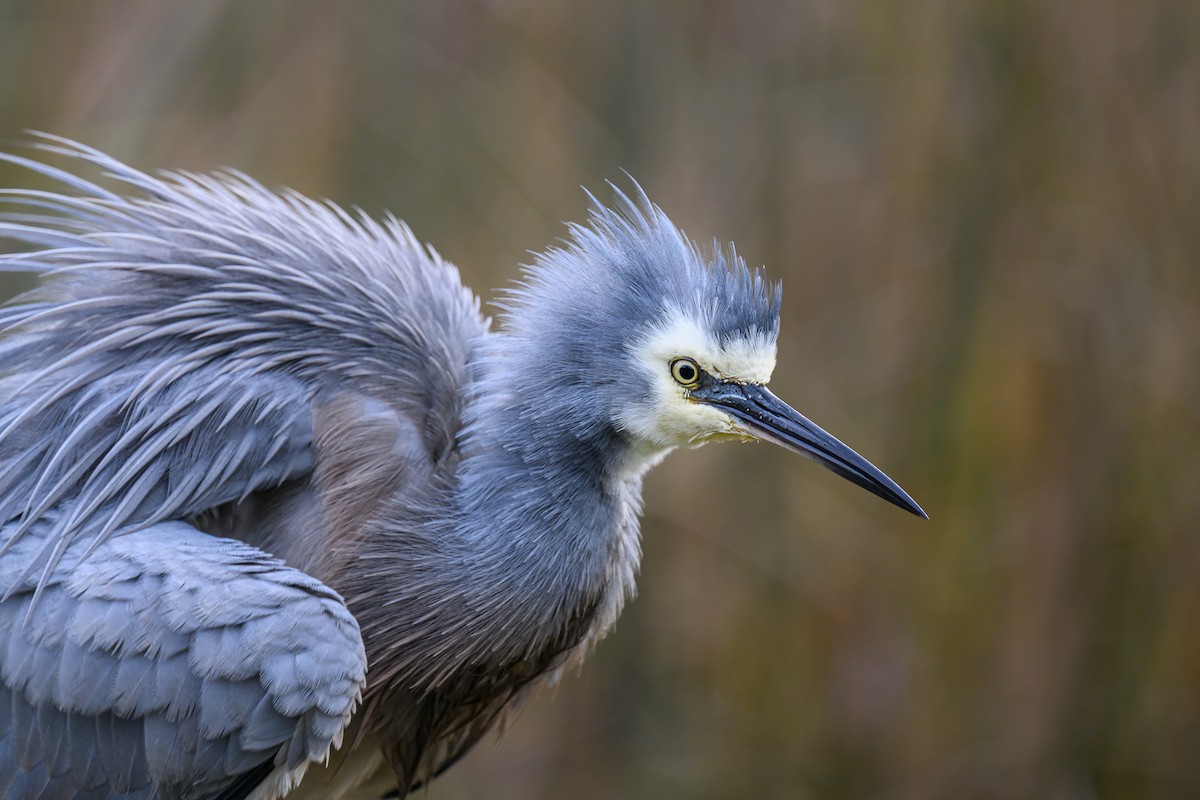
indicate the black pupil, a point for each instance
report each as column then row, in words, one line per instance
column 687, row 372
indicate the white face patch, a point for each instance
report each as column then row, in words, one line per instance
column 745, row 360
column 671, row 418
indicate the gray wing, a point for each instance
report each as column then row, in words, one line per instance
column 169, row 366
column 104, row 455
column 169, row 363
column 167, row 664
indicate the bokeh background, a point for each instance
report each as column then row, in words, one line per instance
column 987, row 218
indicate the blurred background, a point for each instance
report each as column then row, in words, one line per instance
column 986, row 215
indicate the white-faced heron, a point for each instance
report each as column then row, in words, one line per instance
column 272, row 490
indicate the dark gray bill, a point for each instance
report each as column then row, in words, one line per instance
column 773, row 420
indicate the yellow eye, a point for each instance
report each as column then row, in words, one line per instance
column 685, row 372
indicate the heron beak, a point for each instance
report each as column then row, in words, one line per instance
column 770, row 419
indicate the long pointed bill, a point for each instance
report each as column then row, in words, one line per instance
column 770, row 419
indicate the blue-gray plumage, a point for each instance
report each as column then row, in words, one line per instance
column 272, row 487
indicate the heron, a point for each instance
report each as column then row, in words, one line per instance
column 282, row 513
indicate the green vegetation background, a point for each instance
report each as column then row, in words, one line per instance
column 987, row 218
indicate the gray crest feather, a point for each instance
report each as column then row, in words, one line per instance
column 629, row 263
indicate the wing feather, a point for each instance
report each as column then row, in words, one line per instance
column 171, row 360
column 167, row 683
column 170, row 365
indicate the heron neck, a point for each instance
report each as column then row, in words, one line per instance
column 552, row 490
column 552, row 514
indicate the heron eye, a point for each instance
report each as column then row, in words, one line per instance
column 685, row 372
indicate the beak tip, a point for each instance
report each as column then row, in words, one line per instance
column 900, row 498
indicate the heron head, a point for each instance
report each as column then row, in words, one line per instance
column 631, row 325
